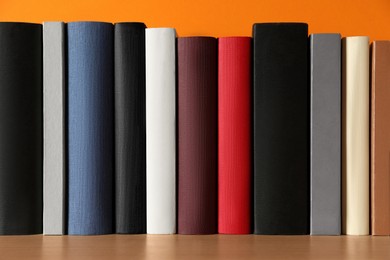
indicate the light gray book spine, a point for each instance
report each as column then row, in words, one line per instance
column 54, row 134
column 325, row 143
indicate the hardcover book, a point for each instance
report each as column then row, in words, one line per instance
column 325, row 126
column 380, row 138
column 281, row 128
column 197, row 135
column 355, row 127
column 21, row 131
column 130, row 129
column 234, row 135
column 54, row 128
column 160, row 51
column 90, row 128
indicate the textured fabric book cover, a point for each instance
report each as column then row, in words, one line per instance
column 355, row 135
column 160, row 52
column 21, row 131
column 130, row 129
column 90, row 127
column 380, row 138
column 281, row 128
column 234, row 135
column 197, row 135
column 54, row 128
column 325, row 143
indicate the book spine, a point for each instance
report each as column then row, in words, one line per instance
column 54, row 128
column 160, row 49
column 325, row 143
column 355, row 67
column 234, row 135
column 281, row 128
column 130, row 132
column 380, row 138
column 197, row 137
column 90, row 127
column 21, row 131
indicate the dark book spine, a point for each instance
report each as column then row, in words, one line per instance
column 130, row 132
column 90, row 127
column 281, row 128
column 21, row 131
column 197, row 139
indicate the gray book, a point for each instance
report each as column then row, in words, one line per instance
column 54, row 135
column 325, row 143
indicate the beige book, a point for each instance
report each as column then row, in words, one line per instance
column 355, row 187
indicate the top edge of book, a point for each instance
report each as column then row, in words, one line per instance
column 89, row 22
column 160, row 28
column 357, row 37
column 20, row 23
column 381, row 42
column 196, row 37
column 140, row 24
column 281, row 24
column 235, row 38
column 53, row 23
column 324, row 34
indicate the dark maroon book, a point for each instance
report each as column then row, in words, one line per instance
column 197, row 139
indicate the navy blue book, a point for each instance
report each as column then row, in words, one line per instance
column 90, row 128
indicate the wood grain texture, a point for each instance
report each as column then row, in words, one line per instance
column 130, row 128
column 355, row 136
column 54, row 128
column 194, row 247
column 380, row 138
column 234, row 135
column 90, row 127
column 197, row 135
column 21, row 128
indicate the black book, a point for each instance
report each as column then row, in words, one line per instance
column 21, row 147
column 281, row 128
column 130, row 128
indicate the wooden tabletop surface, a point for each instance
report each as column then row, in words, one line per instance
column 193, row 247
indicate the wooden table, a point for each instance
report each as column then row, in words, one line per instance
column 193, row 247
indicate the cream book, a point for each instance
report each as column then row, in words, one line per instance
column 355, row 154
column 160, row 48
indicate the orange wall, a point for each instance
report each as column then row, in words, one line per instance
column 213, row 17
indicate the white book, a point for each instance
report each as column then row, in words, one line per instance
column 356, row 95
column 160, row 47
column 54, row 134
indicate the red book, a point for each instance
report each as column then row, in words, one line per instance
column 234, row 135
